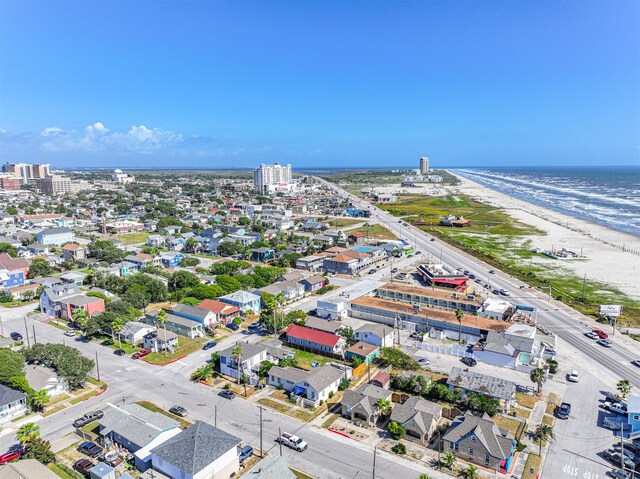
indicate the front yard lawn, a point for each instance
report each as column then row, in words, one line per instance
column 305, row 358
column 278, row 406
column 532, row 461
column 152, row 407
column 185, row 347
column 511, row 425
column 526, row 400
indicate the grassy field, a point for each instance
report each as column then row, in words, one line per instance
column 375, row 231
column 131, row 238
column 369, row 177
column 185, row 346
column 514, row 427
column 305, row 358
column 278, row 406
column 532, row 461
column 152, row 407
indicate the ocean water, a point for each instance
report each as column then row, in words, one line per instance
column 608, row 196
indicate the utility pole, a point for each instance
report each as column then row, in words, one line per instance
column 1, row 327
column 34, row 334
column 261, row 451
column 26, row 330
column 622, row 446
column 97, row 365
column 584, row 281
column 279, row 441
column 375, row 449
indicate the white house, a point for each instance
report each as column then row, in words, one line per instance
column 12, row 404
column 134, row 332
column 40, row 377
column 155, row 241
column 309, row 387
column 252, row 356
column 201, row 451
column 331, row 309
column 377, row 334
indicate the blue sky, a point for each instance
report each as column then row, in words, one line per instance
column 215, row 84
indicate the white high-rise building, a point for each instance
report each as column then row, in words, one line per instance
column 27, row 171
column 122, row 178
column 424, row 165
column 269, row 178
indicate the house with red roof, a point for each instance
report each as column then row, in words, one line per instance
column 224, row 312
column 312, row 339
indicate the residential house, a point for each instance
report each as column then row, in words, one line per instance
column 245, row 301
column 73, row 252
column 294, row 276
column 498, row 388
column 262, row 255
column 22, row 293
column 142, row 260
column 13, row 271
column 102, row 470
column 308, row 387
column 201, row 451
column 271, row 467
column 419, row 418
column 252, row 356
column 179, row 325
column 349, row 262
column 381, row 379
column 224, row 313
column 375, row 333
column 361, row 404
column 136, row 429
column 311, row 263
column 194, row 313
column 331, row 309
column 41, row 377
column 92, row 305
column 50, row 298
column 175, row 244
column 365, row 352
column 322, row 324
column 27, row 469
column 13, row 404
column 311, row 339
column 55, row 236
column 155, row 241
column 160, row 340
column 38, row 249
column 73, row 277
column 289, row 290
column 171, row 260
column 133, row 332
column 313, row 283
column 479, row 440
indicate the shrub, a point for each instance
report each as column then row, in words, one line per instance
column 344, row 384
column 399, row 449
column 331, row 394
column 553, row 366
column 396, row 430
column 237, row 321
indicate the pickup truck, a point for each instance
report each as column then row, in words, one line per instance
column 563, row 411
column 616, row 407
column 294, row 442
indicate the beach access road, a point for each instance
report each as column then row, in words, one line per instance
column 613, row 363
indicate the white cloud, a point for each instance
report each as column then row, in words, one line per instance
column 52, row 131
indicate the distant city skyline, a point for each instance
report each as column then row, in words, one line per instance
column 319, row 84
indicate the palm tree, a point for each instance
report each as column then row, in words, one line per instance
column 470, row 472
column 39, row 399
column 27, row 433
column 544, row 432
column 116, row 327
column 192, row 245
column 459, row 316
column 237, row 353
column 448, row 460
column 538, row 376
column 384, row 406
column 161, row 317
column 624, row 386
column 80, row 318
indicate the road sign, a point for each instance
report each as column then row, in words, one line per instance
column 611, row 310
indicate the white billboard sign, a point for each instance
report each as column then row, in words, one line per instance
column 612, row 310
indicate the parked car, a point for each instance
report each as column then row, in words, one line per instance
column 617, row 407
column 83, row 466
column 415, row 335
column 620, row 474
column 373, row 271
column 492, row 271
column 469, row 361
column 10, row 456
column 563, row 411
column 227, row 394
column 550, row 352
column 294, row 442
column 424, row 362
column 605, row 343
column 233, row 326
column 496, row 292
column 209, row 345
column 119, row 352
column 636, row 362
column 178, row 411
column 89, row 448
column 601, row 334
column 16, row 336
column 394, row 270
column 591, row 335
column 574, row 376
column 88, row 418
column 70, row 333
column 141, row 354
column 245, row 453
column 617, row 459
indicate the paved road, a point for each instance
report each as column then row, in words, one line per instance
column 329, row 455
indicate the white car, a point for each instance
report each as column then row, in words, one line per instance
column 591, row 335
column 423, row 362
column 605, row 342
column 294, row 442
column 574, row 376
column 70, row 332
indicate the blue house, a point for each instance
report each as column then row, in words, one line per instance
column 55, row 236
column 203, row 316
column 9, row 279
column 245, row 301
column 171, row 260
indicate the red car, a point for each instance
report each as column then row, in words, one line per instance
column 10, row 456
column 601, row 334
column 141, row 354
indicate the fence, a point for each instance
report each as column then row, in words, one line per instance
column 460, row 351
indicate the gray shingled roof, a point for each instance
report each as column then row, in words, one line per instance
column 481, row 383
column 366, row 396
column 322, row 324
column 181, row 309
column 8, row 395
column 249, row 350
column 495, row 440
column 196, row 447
column 320, row 378
column 271, row 467
column 420, row 411
column 135, row 423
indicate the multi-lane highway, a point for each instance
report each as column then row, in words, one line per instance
column 615, row 361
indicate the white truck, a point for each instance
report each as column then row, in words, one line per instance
column 294, row 442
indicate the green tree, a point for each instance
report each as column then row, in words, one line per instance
column 470, row 472
column 9, row 249
column 137, row 296
column 117, row 325
column 40, row 450
column 237, row 353
column 27, row 432
column 243, row 221
column 424, row 476
column 448, row 460
column 624, row 387
column 544, row 432
column 538, row 376
column 346, row 332
column 265, row 367
column 384, row 406
column 11, row 365
column 396, row 430
column 228, row 283
column 399, row 359
column 80, row 318
column 459, row 316
column 183, row 279
column 161, row 317
column 39, row 399
column 203, row 373
column 39, row 267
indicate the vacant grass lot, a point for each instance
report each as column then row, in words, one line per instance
column 152, row 407
column 185, row 346
column 532, row 461
column 514, row 427
column 375, row 231
column 131, row 238
column 305, row 358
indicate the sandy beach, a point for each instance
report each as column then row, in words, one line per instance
column 613, row 256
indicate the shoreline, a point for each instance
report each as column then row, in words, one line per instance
column 613, row 257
